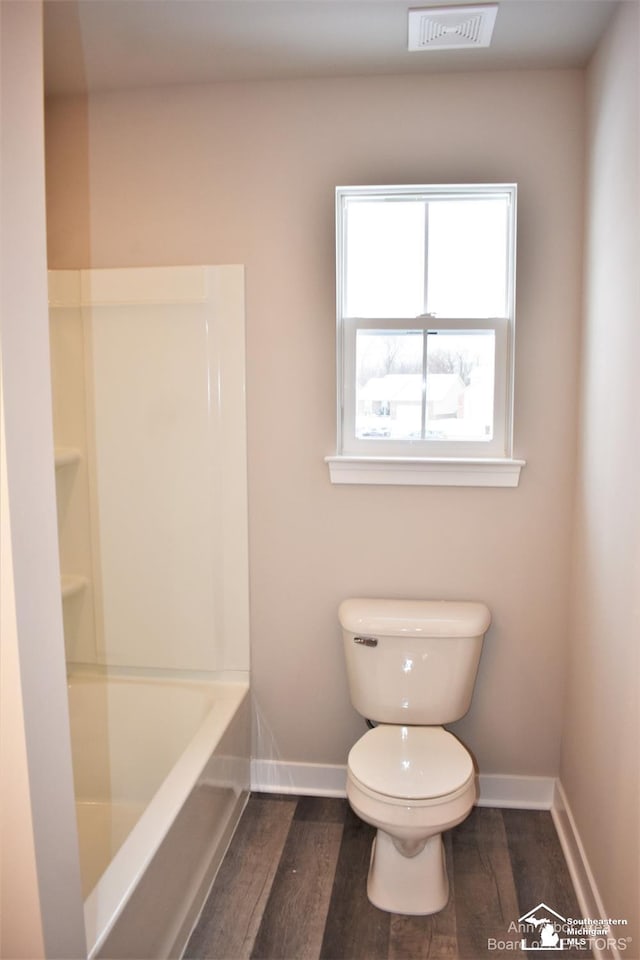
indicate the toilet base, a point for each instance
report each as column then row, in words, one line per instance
column 407, row 885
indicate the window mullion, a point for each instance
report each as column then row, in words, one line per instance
column 425, row 333
column 425, row 298
column 423, row 428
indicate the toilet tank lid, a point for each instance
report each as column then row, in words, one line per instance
column 415, row 618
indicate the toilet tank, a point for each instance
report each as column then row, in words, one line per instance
column 412, row 661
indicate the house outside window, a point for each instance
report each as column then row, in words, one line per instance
column 425, row 333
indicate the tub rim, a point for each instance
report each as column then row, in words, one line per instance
column 106, row 901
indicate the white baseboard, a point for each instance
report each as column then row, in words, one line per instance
column 588, row 896
column 516, row 792
column 307, row 779
column 328, row 780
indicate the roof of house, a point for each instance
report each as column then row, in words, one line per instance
column 407, row 387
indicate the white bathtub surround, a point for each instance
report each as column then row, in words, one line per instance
column 161, row 775
column 149, row 423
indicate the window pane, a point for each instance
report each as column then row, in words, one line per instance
column 467, row 251
column 384, row 265
column 426, row 279
column 389, row 384
column 460, row 385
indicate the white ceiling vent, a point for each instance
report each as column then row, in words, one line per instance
column 451, row 28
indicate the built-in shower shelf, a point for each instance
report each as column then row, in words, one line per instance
column 66, row 456
column 72, row 584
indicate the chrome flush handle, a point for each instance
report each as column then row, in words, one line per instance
column 366, row 641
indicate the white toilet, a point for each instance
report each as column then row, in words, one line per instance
column 411, row 666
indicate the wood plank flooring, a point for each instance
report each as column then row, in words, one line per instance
column 293, row 887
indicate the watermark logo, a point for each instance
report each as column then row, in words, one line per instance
column 543, row 928
column 546, row 924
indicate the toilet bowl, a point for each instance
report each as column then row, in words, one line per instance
column 411, row 783
column 411, row 667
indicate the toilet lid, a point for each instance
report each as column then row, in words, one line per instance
column 415, row 763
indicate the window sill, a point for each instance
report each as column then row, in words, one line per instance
column 435, row 472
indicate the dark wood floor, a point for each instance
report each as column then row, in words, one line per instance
column 293, row 886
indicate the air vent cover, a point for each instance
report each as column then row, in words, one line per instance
column 451, row 28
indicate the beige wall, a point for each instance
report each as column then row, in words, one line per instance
column 245, row 173
column 600, row 757
column 20, row 924
column 39, row 875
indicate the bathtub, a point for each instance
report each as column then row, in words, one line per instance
column 161, row 775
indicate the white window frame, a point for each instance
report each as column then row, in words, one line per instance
column 425, row 461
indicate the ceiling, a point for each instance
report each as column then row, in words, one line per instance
column 96, row 45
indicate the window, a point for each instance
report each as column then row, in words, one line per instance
column 425, row 304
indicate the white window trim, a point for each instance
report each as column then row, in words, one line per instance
column 425, row 471
column 447, row 463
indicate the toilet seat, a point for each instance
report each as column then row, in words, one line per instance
column 419, row 765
